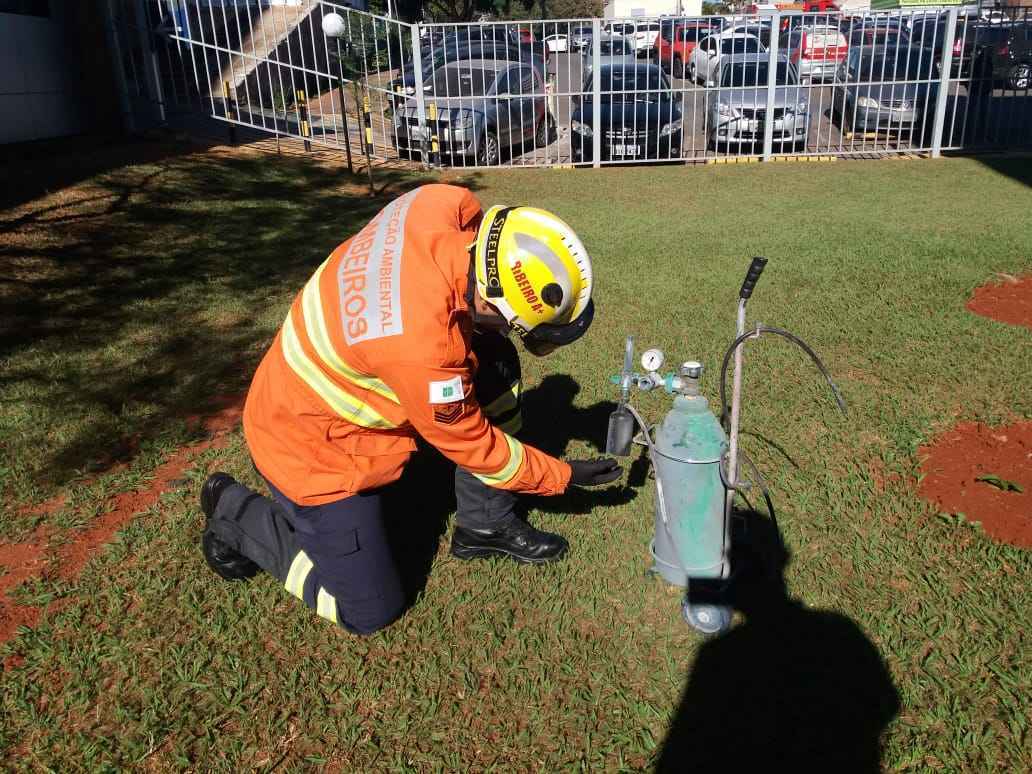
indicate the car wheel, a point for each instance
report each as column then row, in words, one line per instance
column 677, row 69
column 488, row 154
column 1020, row 76
column 691, row 73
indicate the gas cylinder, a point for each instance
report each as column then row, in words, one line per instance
column 688, row 448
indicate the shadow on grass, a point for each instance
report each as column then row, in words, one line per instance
column 418, row 506
column 789, row 688
column 151, row 295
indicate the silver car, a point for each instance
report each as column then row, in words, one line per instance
column 474, row 110
column 736, row 112
column 613, row 50
column 878, row 89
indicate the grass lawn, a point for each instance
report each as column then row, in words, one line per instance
column 136, row 295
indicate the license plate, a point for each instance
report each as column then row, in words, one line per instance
column 626, row 150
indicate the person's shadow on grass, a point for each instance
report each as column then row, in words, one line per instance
column 791, row 688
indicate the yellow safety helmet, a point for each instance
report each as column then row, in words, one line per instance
column 534, row 270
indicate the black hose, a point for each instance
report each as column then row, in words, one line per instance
column 725, row 410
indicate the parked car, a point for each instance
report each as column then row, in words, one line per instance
column 581, row 36
column 457, row 51
column 736, row 114
column 644, row 36
column 557, row 43
column 1010, row 54
column 877, row 36
column 816, row 51
column 613, row 50
column 929, row 32
column 980, row 49
column 676, row 41
column 880, row 89
column 640, row 115
column 707, row 57
column 482, row 108
column 759, row 29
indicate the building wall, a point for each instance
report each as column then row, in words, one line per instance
column 55, row 72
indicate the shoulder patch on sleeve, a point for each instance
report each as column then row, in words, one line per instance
column 447, row 391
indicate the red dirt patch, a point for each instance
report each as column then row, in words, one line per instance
column 1009, row 301
column 37, row 557
column 952, row 463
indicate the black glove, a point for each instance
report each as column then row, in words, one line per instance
column 600, row 470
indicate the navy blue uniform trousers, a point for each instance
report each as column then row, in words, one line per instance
column 335, row 557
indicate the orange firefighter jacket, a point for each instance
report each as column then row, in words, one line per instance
column 375, row 349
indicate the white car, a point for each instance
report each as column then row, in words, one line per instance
column 706, row 58
column 557, row 44
column 642, row 34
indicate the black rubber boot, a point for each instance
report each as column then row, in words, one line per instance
column 516, row 539
column 223, row 560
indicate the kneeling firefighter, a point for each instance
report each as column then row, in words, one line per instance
column 403, row 331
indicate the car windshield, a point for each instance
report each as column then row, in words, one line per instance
column 613, row 48
column 882, row 36
column 755, row 74
column 583, row 30
column 462, row 82
column 740, row 46
column 645, row 83
column 895, row 67
column 692, row 34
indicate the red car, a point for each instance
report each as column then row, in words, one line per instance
column 820, row 6
column 675, row 43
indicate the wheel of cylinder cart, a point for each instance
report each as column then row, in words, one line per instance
column 1020, row 76
column 707, row 619
column 545, row 131
column 487, row 153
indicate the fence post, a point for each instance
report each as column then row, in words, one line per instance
column 772, row 81
column 417, row 71
column 305, row 127
column 596, row 92
column 944, row 82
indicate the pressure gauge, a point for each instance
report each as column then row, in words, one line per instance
column 652, row 359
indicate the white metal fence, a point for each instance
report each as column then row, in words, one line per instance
column 588, row 91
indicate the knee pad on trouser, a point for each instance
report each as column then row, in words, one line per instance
column 344, row 568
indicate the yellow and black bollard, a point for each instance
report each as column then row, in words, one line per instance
column 227, row 100
column 306, row 128
column 435, row 146
column 367, row 122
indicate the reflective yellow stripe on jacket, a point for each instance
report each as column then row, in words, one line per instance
column 504, row 402
column 315, row 327
column 342, row 402
column 510, row 469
